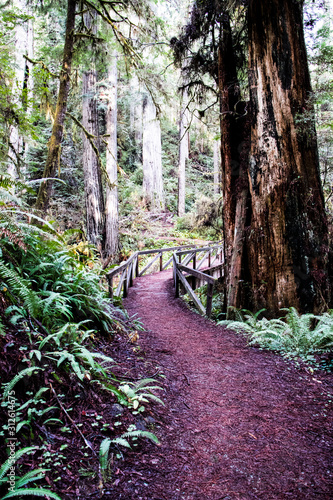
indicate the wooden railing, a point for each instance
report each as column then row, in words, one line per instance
column 187, row 261
column 130, row 269
column 190, row 277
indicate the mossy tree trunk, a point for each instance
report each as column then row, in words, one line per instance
column 54, row 147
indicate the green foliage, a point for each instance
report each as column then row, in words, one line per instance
column 21, row 482
column 122, row 440
column 297, row 335
column 22, row 374
column 140, row 392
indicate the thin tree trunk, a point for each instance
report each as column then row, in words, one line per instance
column 236, row 268
column 183, row 153
column 91, row 169
column 23, row 46
column 152, row 158
column 111, row 212
column 54, row 148
column 216, row 159
column 234, row 162
column 288, row 242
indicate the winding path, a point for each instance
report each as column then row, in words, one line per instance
column 239, row 423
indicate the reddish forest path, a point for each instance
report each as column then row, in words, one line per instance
column 239, row 423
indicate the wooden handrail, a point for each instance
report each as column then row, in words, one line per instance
column 193, row 273
column 130, row 268
column 197, row 274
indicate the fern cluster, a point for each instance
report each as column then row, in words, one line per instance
column 53, row 295
column 294, row 334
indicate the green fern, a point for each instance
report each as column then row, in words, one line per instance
column 123, row 441
column 24, row 373
column 35, row 492
column 20, row 288
column 11, row 460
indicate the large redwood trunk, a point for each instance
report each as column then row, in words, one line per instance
column 288, row 239
column 53, row 156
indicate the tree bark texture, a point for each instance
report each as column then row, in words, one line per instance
column 152, row 158
column 111, row 210
column 288, row 239
column 234, row 166
column 54, row 147
column 183, row 153
column 216, row 159
column 91, row 168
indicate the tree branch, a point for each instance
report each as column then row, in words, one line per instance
column 43, row 65
column 91, row 138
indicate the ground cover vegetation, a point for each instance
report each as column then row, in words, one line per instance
column 67, row 153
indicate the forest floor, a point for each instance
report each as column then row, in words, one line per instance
column 238, row 422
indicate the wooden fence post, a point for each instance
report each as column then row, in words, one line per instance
column 176, row 277
column 161, row 261
column 110, row 286
column 125, row 285
column 210, row 287
column 131, row 274
column 137, row 266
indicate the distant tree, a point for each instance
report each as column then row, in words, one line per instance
column 95, row 219
column 54, row 147
column 111, row 206
column 183, row 151
column 102, row 8
column 152, row 157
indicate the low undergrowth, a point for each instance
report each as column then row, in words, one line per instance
column 308, row 337
column 67, row 410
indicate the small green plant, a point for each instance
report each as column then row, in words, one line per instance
column 140, row 392
column 18, row 489
column 123, row 440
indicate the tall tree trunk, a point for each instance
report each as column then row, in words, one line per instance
column 23, row 46
column 237, row 272
column 234, row 165
column 152, row 158
column 53, row 156
column 111, row 211
column 183, row 153
column 288, row 241
column 91, row 169
column 216, row 160
column 229, row 96
column 136, row 115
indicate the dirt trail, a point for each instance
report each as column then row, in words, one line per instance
column 239, row 423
